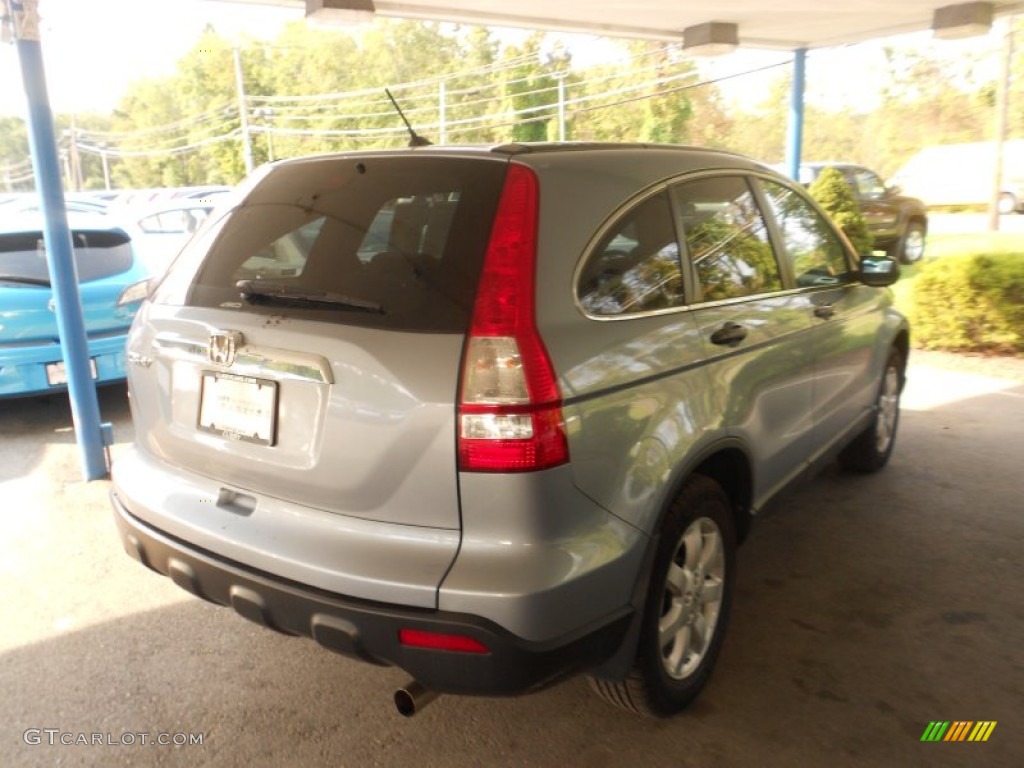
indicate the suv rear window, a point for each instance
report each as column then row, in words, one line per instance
column 97, row 254
column 386, row 242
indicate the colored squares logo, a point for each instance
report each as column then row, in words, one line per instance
column 958, row 730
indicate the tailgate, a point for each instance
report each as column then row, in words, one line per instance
column 349, row 420
column 307, row 345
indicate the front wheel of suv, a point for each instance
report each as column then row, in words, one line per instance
column 909, row 249
column 871, row 449
column 687, row 605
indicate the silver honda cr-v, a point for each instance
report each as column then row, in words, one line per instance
column 500, row 415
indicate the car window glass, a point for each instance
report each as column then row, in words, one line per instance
column 869, row 184
column 97, row 254
column 392, row 243
column 726, row 238
column 635, row 266
column 817, row 255
column 179, row 221
column 284, row 256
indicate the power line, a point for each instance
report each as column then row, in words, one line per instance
column 279, row 115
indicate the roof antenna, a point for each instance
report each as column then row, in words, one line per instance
column 415, row 140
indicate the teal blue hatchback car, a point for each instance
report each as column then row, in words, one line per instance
column 112, row 282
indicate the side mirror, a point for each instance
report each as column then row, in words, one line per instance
column 878, row 271
column 894, row 189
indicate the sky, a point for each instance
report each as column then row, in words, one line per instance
column 93, row 49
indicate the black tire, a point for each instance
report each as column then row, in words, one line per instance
column 909, row 249
column 871, row 450
column 1008, row 204
column 698, row 539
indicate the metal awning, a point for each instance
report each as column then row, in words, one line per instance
column 780, row 24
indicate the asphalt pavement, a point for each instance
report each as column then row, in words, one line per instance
column 867, row 607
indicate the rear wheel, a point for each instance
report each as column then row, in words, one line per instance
column 687, row 605
column 1008, row 203
column 872, row 448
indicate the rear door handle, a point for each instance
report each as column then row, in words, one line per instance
column 729, row 335
column 824, row 311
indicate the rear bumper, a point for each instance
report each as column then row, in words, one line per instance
column 369, row 630
column 23, row 369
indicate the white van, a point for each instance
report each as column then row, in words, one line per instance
column 962, row 174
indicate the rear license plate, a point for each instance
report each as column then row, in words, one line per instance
column 57, row 373
column 238, row 407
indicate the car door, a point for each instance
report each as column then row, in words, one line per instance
column 843, row 312
column 752, row 325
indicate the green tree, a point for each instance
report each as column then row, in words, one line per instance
column 15, row 163
column 648, row 100
column 530, row 91
column 761, row 131
column 472, row 90
column 667, row 113
column 833, row 194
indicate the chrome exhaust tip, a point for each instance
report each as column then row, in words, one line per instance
column 412, row 697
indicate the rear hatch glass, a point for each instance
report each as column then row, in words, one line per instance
column 382, row 242
column 97, row 254
column 104, row 263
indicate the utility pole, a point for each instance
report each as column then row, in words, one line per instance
column 106, row 166
column 66, row 165
column 243, row 110
column 557, row 61
column 442, row 110
column 561, row 104
column 76, row 159
column 266, row 117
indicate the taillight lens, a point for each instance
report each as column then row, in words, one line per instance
column 510, row 408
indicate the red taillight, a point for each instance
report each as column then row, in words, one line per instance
column 510, row 409
column 440, row 641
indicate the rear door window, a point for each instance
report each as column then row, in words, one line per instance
column 726, row 238
column 634, row 268
column 387, row 242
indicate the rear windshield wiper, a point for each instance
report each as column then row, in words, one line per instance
column 24, row 280
column 267, row 292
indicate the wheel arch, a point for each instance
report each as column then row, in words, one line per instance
column 728, row 463
column 901, row 343
column 918, row 217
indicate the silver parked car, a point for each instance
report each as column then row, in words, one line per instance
column 500, row 415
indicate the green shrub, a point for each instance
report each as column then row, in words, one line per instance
column 970, row 303
column 832, row 193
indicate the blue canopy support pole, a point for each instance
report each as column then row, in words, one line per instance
column 85, row 410
column 795, row 133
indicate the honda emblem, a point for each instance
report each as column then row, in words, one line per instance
column 223, row 346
